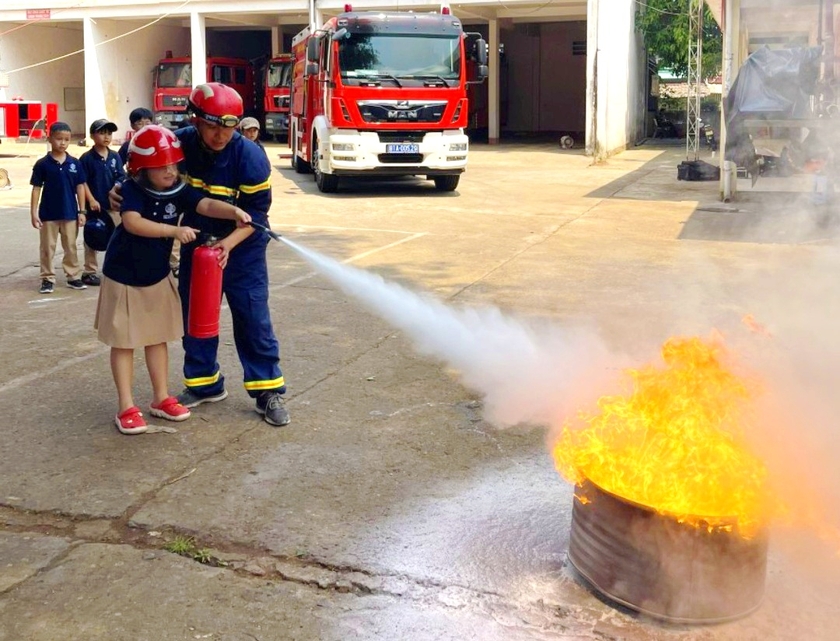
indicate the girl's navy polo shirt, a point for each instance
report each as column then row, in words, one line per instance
column 139, row 261
column 58, row 182
column 101, row 174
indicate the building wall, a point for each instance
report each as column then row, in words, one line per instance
column 616, row 78
column 544, row 85
column 51, row 82
column 126, row 64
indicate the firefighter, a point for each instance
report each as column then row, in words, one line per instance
column 221, row 163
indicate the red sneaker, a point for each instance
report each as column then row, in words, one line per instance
column 170, row 409
column 131, row 421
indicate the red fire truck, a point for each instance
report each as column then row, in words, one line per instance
column 277, row 84
column 173, row 84
column 383, row 94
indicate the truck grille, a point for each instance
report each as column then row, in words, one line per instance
column 401, row 136
column 401, row 158
column 401, row 110
column 174, row 101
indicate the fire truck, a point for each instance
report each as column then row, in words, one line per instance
column 383, row 94
column 173, row 84
column 277, row 84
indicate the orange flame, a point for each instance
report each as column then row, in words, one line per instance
column 674, row 443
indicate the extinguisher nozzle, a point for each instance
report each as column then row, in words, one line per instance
column 268, row 231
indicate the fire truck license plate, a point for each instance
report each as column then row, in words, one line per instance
column 402, row 148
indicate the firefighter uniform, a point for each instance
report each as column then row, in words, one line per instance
column 240, row 175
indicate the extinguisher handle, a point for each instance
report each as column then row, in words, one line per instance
column 268, row 231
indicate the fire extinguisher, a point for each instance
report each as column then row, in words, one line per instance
column 205, row 292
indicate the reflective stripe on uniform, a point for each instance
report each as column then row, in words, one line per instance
column 216, row 190
column 202, row 381
column 263, row 385
column 253, row 189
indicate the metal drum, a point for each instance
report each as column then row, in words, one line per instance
column 656, row 565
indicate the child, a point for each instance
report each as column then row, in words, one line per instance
column 139, row 304
column 138, row 118
column 103, row 168
column 250, row 129
column 57, row 207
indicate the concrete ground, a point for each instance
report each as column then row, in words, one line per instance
column 390, row 508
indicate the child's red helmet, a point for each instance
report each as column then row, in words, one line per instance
column 153, row 146
column 217, row 103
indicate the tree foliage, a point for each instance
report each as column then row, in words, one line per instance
column 664, row 26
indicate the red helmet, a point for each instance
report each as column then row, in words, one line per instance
column 217, row 103
column 153, row 146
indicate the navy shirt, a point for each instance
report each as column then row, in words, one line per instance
column 240, row 174
column 101, row 173
column 137, row 260
column 58, row 182
column 123, row 152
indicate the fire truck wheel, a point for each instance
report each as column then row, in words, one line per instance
column 446, row 183
column 327, row 183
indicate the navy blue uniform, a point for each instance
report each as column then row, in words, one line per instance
column 240, row 175
column 140, row 261
column 102, row 174
column 123, row 152
column 58, row 181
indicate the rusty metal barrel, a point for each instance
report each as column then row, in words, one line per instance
column 661, row 567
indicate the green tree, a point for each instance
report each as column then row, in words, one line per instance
column 664, row 26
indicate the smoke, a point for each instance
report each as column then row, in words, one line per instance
column 527, row 372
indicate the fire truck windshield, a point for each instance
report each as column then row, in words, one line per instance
column 279, row 74
column 362, row 56
column 175, row 74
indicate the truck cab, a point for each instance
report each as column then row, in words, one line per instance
column 173, row 85
column 277, row 83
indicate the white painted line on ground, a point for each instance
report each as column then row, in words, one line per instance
column 48, row 300
column 29, row 378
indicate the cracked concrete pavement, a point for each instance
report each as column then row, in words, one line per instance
column 390, row 508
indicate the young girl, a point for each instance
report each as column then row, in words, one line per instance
column 139, row 304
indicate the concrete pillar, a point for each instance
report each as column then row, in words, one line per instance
column 592, row 147
column 94, row 89
column 493, row 82
column 198, row 51
column 276, row 40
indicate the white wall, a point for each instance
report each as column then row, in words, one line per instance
column 126, row 64
column 36, row 43
column 615, row 78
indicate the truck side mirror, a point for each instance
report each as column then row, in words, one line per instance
column 312, row 68
column 482, row 72
column 313, row 49
column 481, row 52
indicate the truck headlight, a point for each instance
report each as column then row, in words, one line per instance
column 458, row 146
column 343, row 146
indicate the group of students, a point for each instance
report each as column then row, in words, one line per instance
column 225, row 186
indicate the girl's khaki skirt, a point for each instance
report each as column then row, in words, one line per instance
column 131, row 317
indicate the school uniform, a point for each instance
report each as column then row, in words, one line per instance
column 102, row 172
column 58, row 210
column 138, row 300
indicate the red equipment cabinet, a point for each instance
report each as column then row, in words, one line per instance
column 26, row 118
column 205, row 293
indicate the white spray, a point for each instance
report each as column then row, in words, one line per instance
column 525, row 371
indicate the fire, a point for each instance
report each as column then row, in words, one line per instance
column 675, row 442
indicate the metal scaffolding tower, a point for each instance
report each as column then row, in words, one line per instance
column 695, row 77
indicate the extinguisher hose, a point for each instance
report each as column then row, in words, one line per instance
column 268, row 231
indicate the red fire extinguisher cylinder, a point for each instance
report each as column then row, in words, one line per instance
column 205, row 293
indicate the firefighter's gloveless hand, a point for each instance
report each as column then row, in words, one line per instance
column 243, row 218
column 224, row 252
